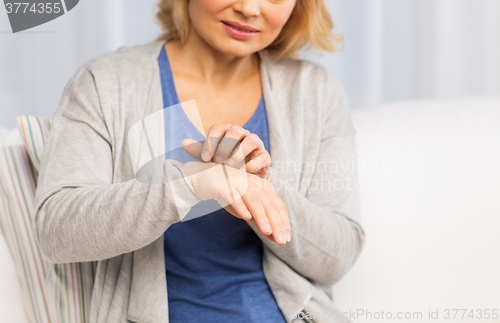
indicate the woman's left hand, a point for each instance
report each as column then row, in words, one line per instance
column 234, row 146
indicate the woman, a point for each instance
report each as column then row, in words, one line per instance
column 289, row 228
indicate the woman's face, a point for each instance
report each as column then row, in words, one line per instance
column 239, row 27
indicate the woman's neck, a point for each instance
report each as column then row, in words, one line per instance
column 197, row 59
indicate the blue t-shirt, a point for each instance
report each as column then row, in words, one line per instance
column 214, row 262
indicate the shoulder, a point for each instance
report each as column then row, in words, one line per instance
column 131, row 61
column 128, row 70
column 305, row 81
column 294, row 74
column 103, row 82
column 292, row 66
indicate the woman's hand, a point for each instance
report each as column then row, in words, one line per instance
column 249, row 197
column 234, row 146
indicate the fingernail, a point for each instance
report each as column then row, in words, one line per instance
column 230, row 162
column 244, row 168
column 205, row 156
column 289, row 236
column 266, row 227
column 282, row 237
column 247, row 213
column 219, row 159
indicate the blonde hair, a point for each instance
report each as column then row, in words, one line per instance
column 309, row 26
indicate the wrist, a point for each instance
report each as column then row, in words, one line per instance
column 191, row 175
column 196, row 174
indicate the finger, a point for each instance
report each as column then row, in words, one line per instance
column 285, row 220
column 193, row 148
column 263, row 173
column 230, row 143
column 241, row 209
column 236, row 156
column 248, row 145
column 274, row 219
column 253, row 223
column 230, row 195
column 214, row 135
column 262, row 161
column 233, row 200
column 254, row 204
column 242, row 164
column 233, row 212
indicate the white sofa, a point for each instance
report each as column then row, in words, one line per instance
column 431, row 211
column 430, row 202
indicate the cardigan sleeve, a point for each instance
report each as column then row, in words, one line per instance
column 327, row 237
column 80, row 213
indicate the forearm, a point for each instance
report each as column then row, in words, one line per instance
column 94, row 222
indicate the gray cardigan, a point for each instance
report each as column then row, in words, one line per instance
column 91, row 207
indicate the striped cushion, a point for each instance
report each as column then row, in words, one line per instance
column 52, row 292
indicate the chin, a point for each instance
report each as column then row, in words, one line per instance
column 237, row 52
column 238, row 49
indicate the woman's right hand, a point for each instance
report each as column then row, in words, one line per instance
column 251, row 197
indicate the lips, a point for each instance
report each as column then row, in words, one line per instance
column 239, row 31
column 240, row 27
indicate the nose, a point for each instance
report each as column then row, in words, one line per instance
column 249, row 8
